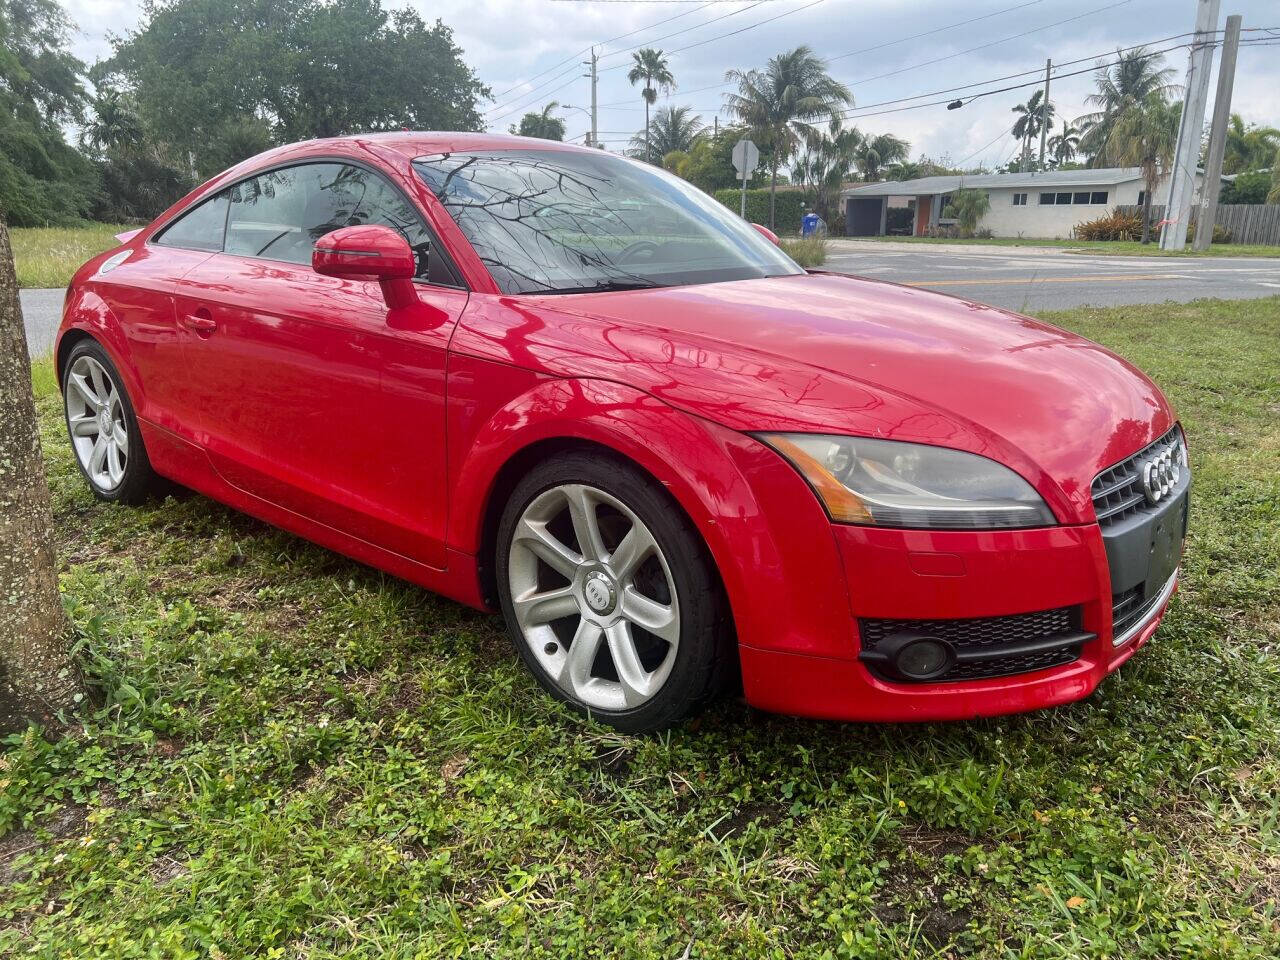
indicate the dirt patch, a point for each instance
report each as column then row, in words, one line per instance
column 911, row 892
column 67, row 822
column 765, row 813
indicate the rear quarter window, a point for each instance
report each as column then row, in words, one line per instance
column 200, row 228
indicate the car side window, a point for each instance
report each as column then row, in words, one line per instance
column 280, row 215
column 200, row 228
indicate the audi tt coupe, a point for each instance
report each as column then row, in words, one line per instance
column 569, row 386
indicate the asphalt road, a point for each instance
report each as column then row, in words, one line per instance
column 1026, row 279
column 1030, row 279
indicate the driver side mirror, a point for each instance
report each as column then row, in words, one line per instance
column 767, row 234
column 369, row 252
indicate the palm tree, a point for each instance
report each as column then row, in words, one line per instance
column 1063, row 146
column 1128, row 82
column 875, row 153
column 780, row 104
column 1143, row 136
column 115, row 124
column 672, row 129
column 826, row 164
column 1248, row 147
column 650, row 66
column 1032, row 115
column 541, row 124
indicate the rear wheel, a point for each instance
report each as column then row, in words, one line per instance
column 103, row 428
column 609, row 594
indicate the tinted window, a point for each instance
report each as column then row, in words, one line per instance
column 200, row 228
column 1080, row 197
column 1064, row 198
column 280, row 215
column 1046, row 199
column 1098, row 196
column 567, row 221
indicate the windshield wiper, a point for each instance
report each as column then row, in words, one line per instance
column 601, row 286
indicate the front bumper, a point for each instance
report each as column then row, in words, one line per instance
column 905, row 574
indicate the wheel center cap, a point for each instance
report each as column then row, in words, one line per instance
column 599, row 592
column 104, row 422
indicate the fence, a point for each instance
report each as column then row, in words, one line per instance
column 1247, row 222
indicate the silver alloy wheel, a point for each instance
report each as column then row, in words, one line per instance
column 573, row 598
column 95, row 418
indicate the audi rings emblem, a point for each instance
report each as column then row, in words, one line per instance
column 1160, row 475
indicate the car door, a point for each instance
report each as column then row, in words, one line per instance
column 286, row 368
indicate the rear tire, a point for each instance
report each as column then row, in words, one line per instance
column 103, row 428
column 610, row 595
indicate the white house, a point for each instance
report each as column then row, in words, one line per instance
column 1048, row 204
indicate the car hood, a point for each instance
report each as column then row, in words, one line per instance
column 822, row 352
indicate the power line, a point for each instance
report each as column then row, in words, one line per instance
column 699, row 26
column 621, row 36
column 734, row 33
column 929, row 33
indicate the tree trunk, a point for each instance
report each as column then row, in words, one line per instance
column 648, row 144
column 773, row 189
column 1146, row 213
column 37, row 675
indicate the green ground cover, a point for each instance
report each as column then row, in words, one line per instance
column 298, row 757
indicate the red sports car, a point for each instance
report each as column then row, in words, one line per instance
column 566, row 385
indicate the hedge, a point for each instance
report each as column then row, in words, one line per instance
column 788, row 211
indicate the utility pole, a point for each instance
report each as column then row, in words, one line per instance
column 1218, row 136
column 1044, row 111
column 715, row 125
column 595, row 76
column 1186, row 155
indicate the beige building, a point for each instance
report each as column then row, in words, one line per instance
column 1045, row 205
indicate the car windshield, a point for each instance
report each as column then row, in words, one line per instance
column 566, row 221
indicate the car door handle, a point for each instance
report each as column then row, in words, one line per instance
column 199, row 323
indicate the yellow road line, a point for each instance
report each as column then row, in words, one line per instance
column 1014, row 280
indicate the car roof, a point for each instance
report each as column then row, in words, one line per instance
column 417, row 143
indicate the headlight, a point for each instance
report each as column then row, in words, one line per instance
column 892, row 484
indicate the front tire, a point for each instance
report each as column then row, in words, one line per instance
column 103, row 428
column 609, row 594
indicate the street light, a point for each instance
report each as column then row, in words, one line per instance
column 570, row 106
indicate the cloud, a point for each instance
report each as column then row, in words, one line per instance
column 526, row 50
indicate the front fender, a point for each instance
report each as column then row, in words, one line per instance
column 765, row 531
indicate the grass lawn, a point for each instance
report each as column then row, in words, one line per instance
column 298, row 757
column 1116, row 248
column 48, row 256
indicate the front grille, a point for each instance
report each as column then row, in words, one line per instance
column 987, row 647
column 1117, row 490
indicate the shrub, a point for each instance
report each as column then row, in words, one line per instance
column 807, row 251
column 1114, row 226
column 1249, row 187
column 789, row 208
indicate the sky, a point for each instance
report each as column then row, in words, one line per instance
column 883, row 49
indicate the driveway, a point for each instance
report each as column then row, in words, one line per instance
column 41, row 313
column 1032, row 279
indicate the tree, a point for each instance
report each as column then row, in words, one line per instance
column 1274, row 195
column 42, row 179
column 1251, row 188
column 708, row 163
column 209, row 74
column 968, row 206
column 1248, row 147
column 672, row 129
column 873, row 154
column 541, row 124
column 781, row 104
column 650, row 66
column 1063, row 146
column 1143, row 136
column 37, row 675
column 826, row 164
column 1032, row 116
column 1124, row 84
